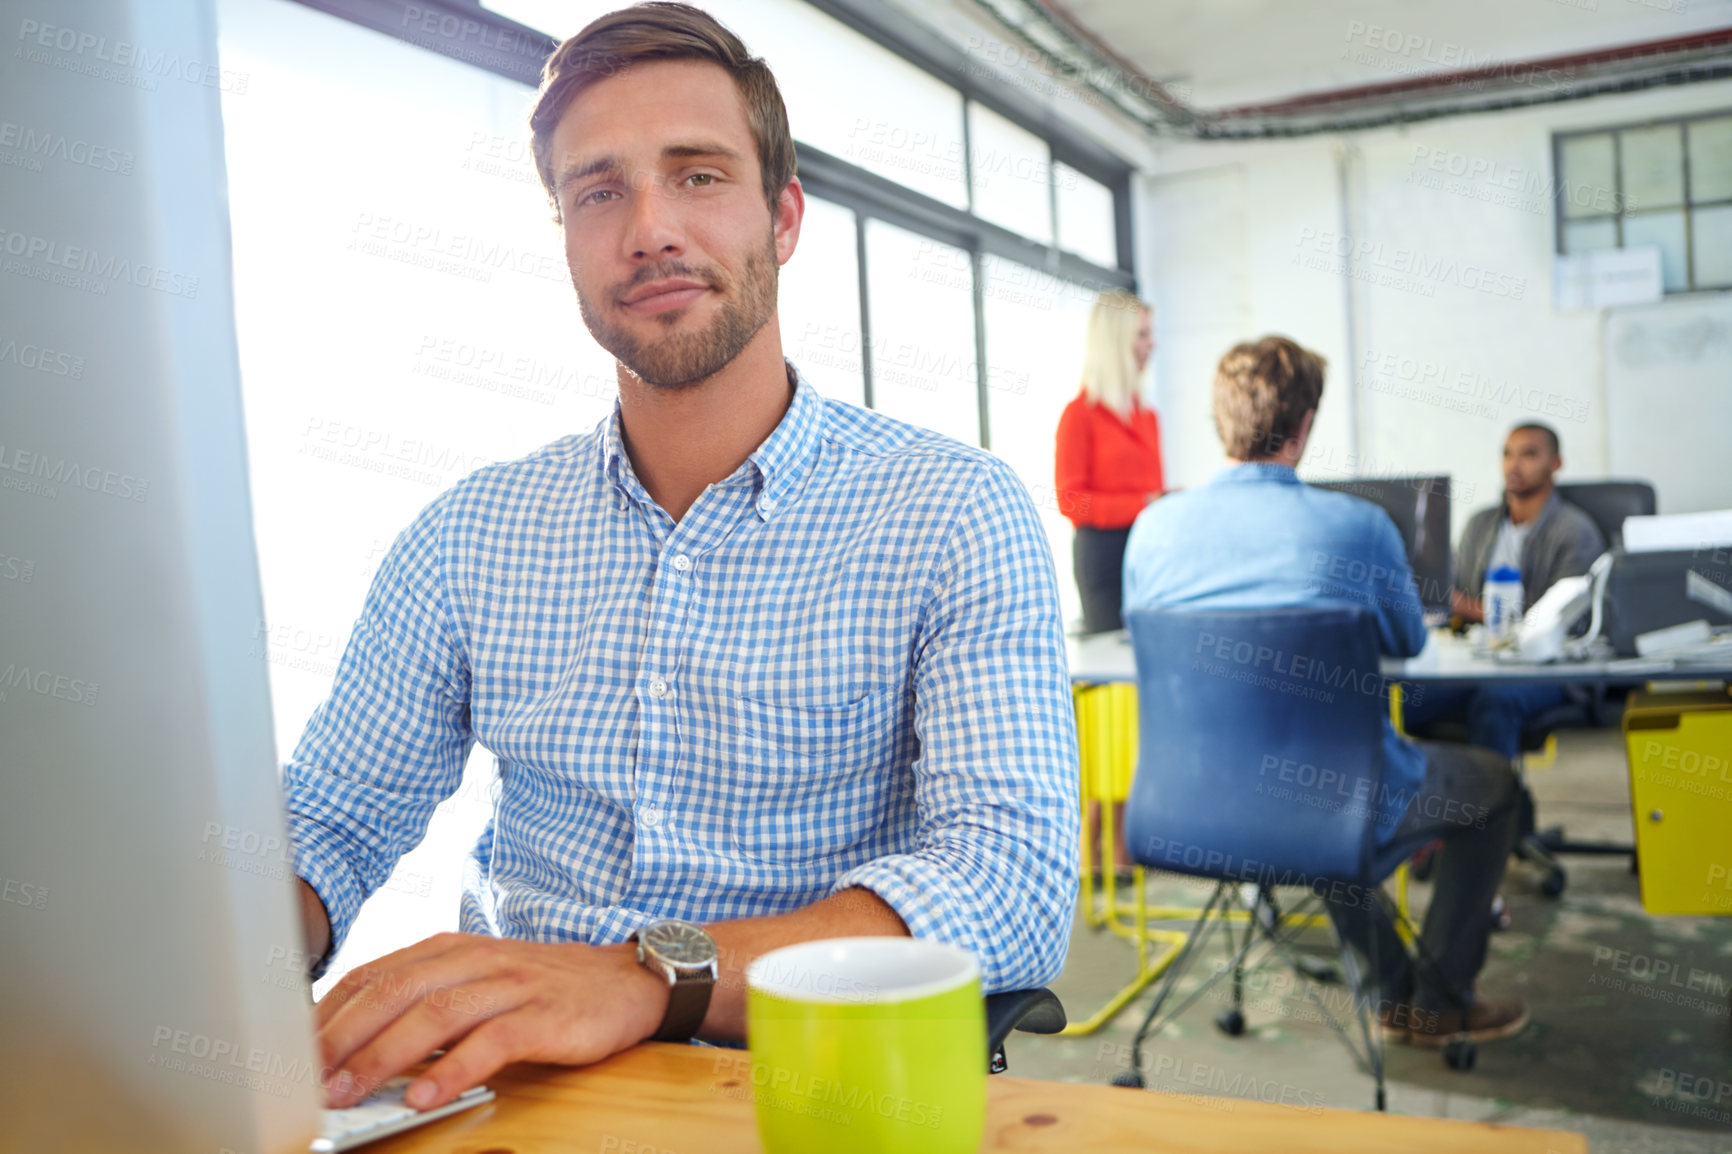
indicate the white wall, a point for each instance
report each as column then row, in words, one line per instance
column 1238, row 240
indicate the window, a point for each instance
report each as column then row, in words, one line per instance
column 818, row 303
column 1035, row 328
column 1666, row 184
column 922, row 315
column 1012, row 171
column 1086, row 224
column 402, row 320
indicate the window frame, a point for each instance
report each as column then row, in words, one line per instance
column 1687, row 205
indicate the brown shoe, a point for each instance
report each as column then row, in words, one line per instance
column 1398, row 1018
column 1487, row 1020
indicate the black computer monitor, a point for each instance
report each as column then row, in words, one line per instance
column 1419, row 506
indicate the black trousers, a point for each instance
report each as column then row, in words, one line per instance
column 1468, row 799
column 1099, row 560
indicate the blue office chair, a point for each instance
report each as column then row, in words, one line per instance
column 1261, row 766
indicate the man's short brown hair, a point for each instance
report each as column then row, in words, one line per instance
column 662, row 31
column 1263, row 389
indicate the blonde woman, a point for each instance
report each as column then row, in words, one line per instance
column 1109, row 452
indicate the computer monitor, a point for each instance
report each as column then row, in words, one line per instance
column 1419, row 506
column 152, row 995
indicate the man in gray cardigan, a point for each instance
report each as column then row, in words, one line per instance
column 1547, row 539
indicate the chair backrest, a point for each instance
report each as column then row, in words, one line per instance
column 1261, row 744
column 1609, row 502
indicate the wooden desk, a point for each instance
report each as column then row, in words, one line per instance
column 662, row 1098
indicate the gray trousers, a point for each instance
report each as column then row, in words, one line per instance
column 1468, row 799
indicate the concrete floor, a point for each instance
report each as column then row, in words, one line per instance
column 1631, row 1038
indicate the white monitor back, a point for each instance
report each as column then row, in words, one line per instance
column 150, row 988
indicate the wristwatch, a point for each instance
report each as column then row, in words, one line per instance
column 685, row 956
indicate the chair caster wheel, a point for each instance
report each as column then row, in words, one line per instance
column 1460, row 1055
column 1130, row 1079
column 1553, row 883
column 1230, row 1023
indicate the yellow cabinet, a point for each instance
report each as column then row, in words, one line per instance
column 1680, row 747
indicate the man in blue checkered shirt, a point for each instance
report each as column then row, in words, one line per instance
column 776, row 666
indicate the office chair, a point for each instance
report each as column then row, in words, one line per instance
column 1228, row 701
column 1036, row 1011
column 1609, row 502
column 1032, row 1011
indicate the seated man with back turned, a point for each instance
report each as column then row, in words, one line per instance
column 1544, row 537
column 1256, row 537
column 757, row 667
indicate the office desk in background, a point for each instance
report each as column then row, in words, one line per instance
column 1448, row 659
column 678, row 1099
column 1107, row 657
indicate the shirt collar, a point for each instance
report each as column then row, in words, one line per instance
column 778, row 464
column 786, row 454
column 1256, row 471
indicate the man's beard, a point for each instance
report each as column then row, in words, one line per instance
column 681, row 360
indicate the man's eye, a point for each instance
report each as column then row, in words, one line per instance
column 707, row 178
column 594, row 197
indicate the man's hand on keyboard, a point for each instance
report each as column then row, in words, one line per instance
column 488, row 1002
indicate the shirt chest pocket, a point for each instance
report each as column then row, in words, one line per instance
column 811, row 781
column 848, row 640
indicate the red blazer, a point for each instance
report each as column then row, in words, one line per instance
column 1106, row 468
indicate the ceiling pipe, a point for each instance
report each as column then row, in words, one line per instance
column 1516, row 73
column 1079, row 56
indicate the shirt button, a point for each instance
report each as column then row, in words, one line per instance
column 658, row 687
column 682, row 562
column 767, row 504
column 650, row 815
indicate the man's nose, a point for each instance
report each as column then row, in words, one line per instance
column 655, row 225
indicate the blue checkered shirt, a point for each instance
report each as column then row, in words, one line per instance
column 844, row 666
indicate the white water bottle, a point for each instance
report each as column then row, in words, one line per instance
column 1502, row 599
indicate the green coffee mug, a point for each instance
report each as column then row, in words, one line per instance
column 867, row 1045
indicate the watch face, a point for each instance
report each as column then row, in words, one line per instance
column 681, row 943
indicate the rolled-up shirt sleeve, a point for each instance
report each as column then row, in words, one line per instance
column 994, row 868
column 390, row 742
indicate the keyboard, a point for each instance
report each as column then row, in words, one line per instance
column 384, row 1113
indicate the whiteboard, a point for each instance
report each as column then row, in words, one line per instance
column 1669, row 399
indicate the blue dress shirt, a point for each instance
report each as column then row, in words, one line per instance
column 844, row 666
column 1256, row 537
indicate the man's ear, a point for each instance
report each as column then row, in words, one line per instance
column 790, row 211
